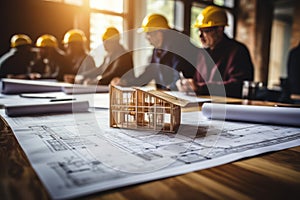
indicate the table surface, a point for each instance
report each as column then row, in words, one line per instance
column 274, row 175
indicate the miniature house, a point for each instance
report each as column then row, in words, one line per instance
column 137, row 108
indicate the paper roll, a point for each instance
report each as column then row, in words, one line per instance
column 46, row 108
column 249, row 113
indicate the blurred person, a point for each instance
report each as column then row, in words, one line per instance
column 293, row 68
column 116, row 63
column 222, row 63
column 16, row 62
column 50, row 58
column 78, row 59
column 168, row 56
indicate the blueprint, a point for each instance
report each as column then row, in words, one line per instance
column 79, row 154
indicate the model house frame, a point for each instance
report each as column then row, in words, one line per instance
column 139, row 108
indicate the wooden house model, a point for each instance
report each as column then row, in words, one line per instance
column 139, row 108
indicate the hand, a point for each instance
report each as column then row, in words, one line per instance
column 34, row 76
column 69, row 78
column 186, row 85
column 115, row 81
column 78, row 79
column 89, row 81
column 19, row 76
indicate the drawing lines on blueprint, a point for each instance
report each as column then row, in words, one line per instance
column 81, row 154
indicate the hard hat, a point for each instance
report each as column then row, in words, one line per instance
column 211, row 16
column 111, row 32
column 74, row 35
column 46, row 41
column 20, row 39
column 154, row 22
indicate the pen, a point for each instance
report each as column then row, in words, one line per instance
column 37, row 96
column 181, row 77
column 65, row 99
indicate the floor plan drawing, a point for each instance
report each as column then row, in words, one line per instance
column 79, row 154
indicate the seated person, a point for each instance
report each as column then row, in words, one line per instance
column 16, row 62
column 116, row 63
column 50, row 58
column 223, row 63
column 78, row 60
column 294, row 70
column 169, row 55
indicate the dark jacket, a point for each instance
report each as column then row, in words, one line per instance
column 294, row 70
column 176, row 55
column 227, row 66
column 16, row 61
column 114, row 65
column 118, row 66
column 50, row 64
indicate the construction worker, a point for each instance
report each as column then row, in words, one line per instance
column 77, row 55
column 116, row 63
column 15, row 63
column 223, row 63
column 50, row 58
column 293, row 69
column 168, row 58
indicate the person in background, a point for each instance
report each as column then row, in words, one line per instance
column 78, row 59
column 50, row 58
column 223, row 62
column 293, row 68
column 116, row 63
column 168, row 56
column 16, row 62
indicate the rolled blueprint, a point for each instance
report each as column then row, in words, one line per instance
column 248, row 113
column 46, row 108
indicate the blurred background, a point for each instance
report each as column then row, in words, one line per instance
column 269, row 28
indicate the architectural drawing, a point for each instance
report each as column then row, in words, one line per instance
column 83, row 154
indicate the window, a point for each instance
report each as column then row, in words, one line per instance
column 104, row 14
column 98, row 24
column 167, row 8
column 226, row 3
column 74, row 2
column 111, row 5
column 164, row 7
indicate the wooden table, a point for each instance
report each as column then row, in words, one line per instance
column 269, row 176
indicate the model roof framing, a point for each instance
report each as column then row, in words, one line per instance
column 142, row 109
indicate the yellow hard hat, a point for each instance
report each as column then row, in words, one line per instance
column 20, row 39
column 211, row 16
column 111, row 32
column 154, row 22
column 74, row 35
column 47, row 41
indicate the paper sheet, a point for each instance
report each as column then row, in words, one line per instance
column 83, row 89
column 249, row 113
column 192, row 98
column 96, row 100
column 76, row 155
